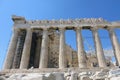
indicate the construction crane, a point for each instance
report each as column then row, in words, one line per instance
column 108, row 53
column 90, row 47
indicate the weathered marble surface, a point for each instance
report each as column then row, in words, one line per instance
column 102, row 74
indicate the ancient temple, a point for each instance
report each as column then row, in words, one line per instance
column 41, row 44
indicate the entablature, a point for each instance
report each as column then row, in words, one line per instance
column 85, row 23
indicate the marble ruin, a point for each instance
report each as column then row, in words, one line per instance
column 40, row 45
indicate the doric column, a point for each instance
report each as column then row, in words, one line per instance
column 26, row 50
column 44, row 50
column 115, row 44
column 19, row 48
column 80, row 49
column 11, row 50
column 16, row 54
column 62, row 49
column 99, row 50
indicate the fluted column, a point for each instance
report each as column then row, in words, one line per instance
column 11, row 50
column 62, row 49
column 99, row 50
column 115, row 45
column 26, row 50
column 16, row 54
column 80, row 49
column 19, row 48
column 44, row 50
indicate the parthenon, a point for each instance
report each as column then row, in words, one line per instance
column 41, row 43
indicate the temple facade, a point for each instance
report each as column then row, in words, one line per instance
column 41, row 44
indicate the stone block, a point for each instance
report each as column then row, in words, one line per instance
column 2, row 78
column 59, row 76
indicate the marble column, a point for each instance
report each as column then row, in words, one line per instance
column 15, row 61
column 26, row 50
column 99, row 50
column 44, row 50
column 115, row 44
column 80, row 50
column 62, row 49
column 19, row 48
column 11, row 50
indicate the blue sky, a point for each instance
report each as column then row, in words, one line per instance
column 57, row 9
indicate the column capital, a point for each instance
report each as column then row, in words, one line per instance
column 62, row 29
column 45, row 29
column 78, row 28
column 94, row 29
column 110, row 29
column 16, row 29
column 29, row 29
